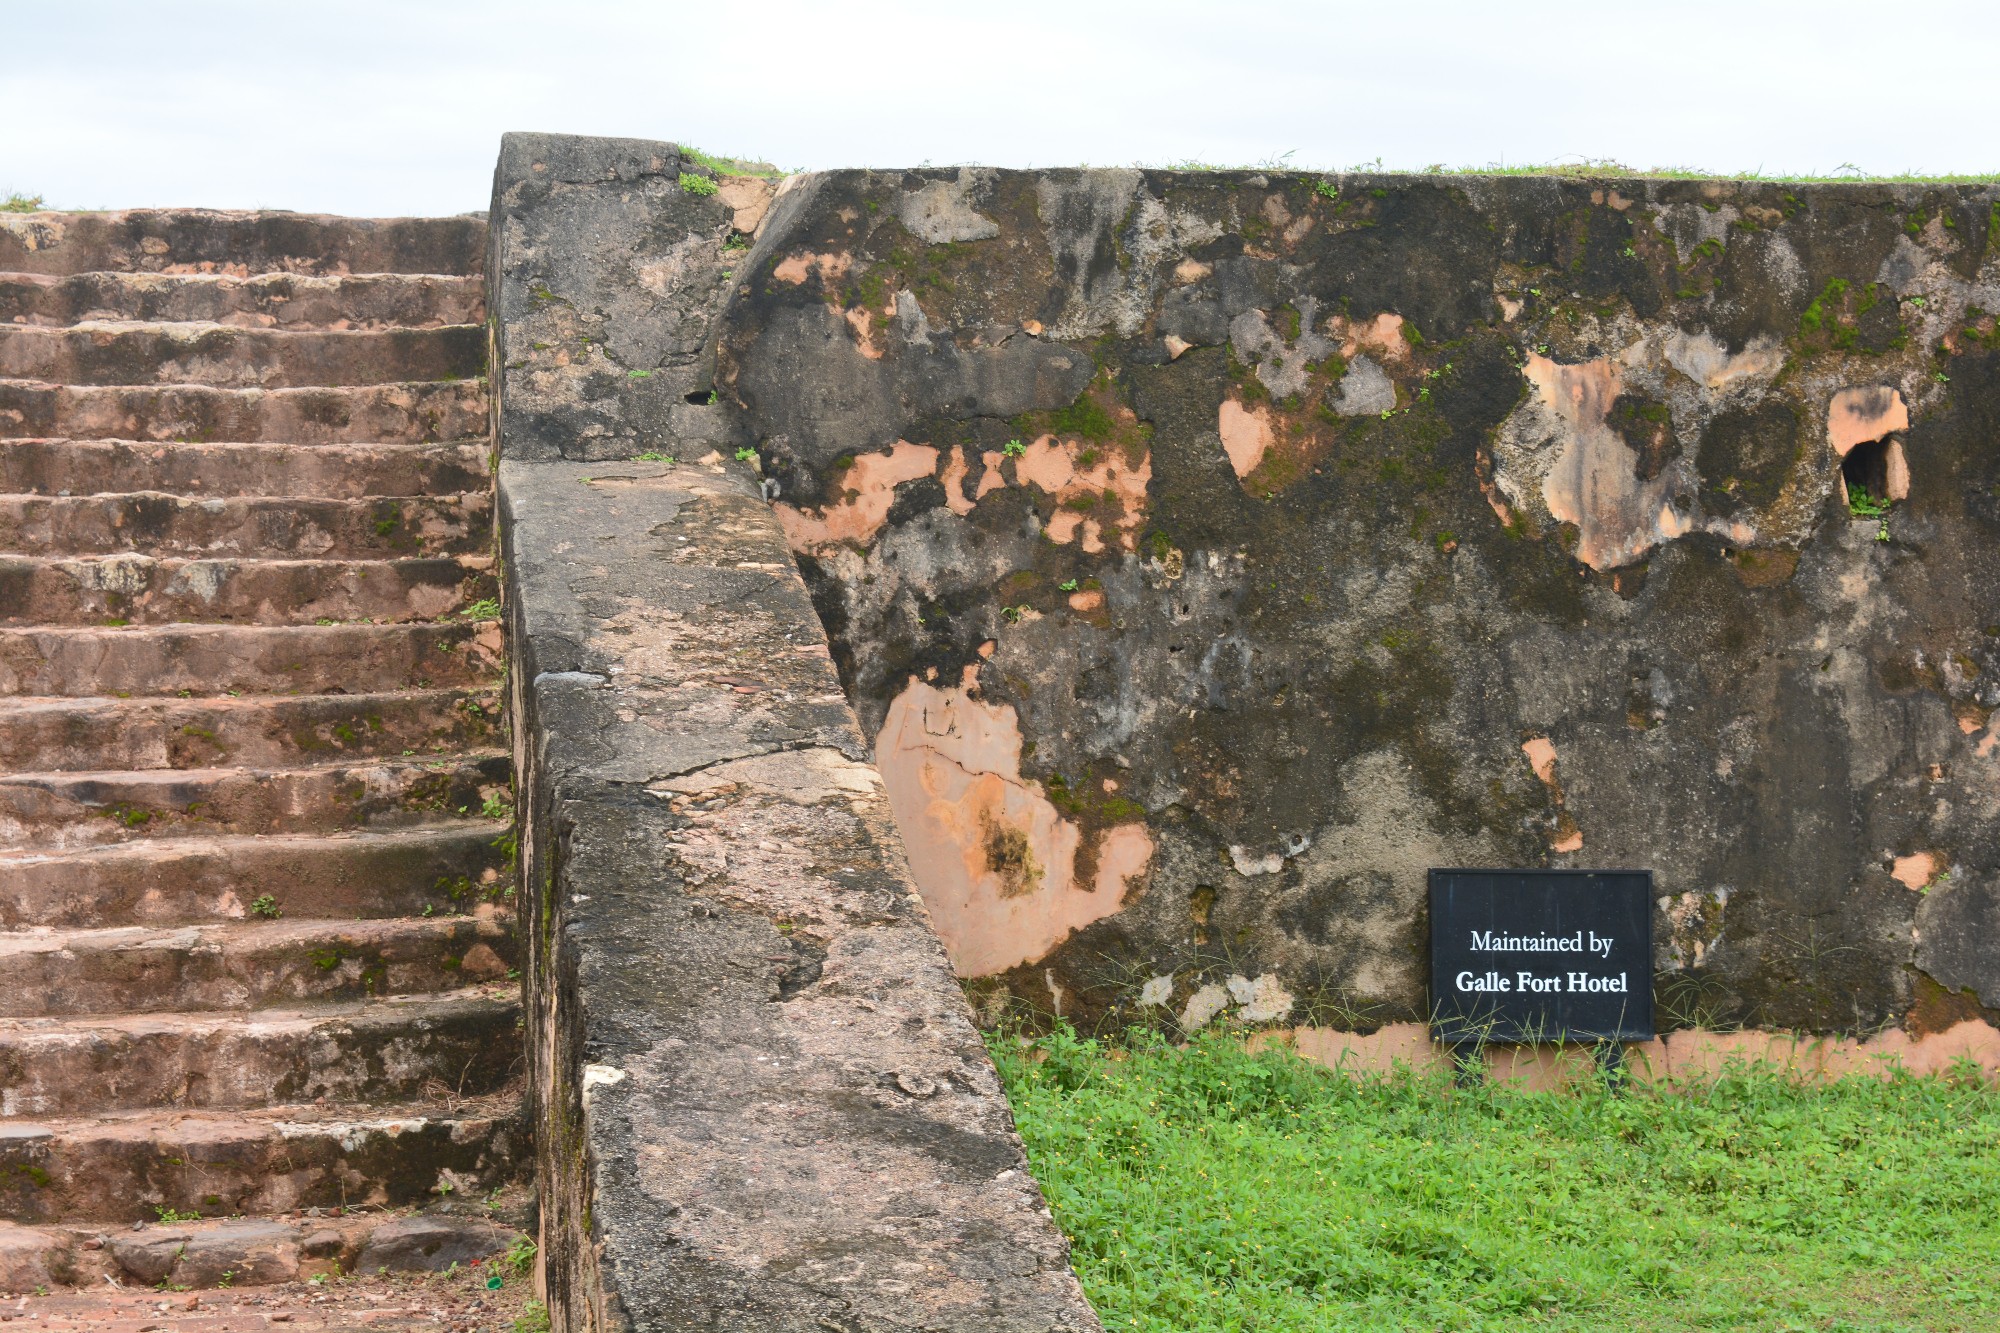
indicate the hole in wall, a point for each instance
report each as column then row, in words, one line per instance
column 700, row 397
column 1878, row 467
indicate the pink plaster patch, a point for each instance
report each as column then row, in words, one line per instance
column 1914, row 871
column 1107, row 493
column 994, row 861
column 1856, row 416
column 1541, row 752
column 796, row 268
column 1689, row 1058
column 1618, row 516
column 1693, row 1054
column 992, row 479
column 1246, row 435
column 1379, row 1052
column 1382, row 335
column 955, row 468
column 1896, row 467
column 1087, row 600
column 862, row 321
column 869, row 489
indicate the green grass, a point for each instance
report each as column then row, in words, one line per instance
column 733, row 166
column 1207, row 1188
column 1588, row 169
column 15, row 202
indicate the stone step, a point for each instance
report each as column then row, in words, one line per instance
column 290, row 659
column 138, row 589
column 248, row 964
column 408, row 413
column 319, row 471
column 465, row 1043
column 237, row 1252
column 200, row 240
column 269, row 300
column 127, row 1168
column 87, row 809
column 228, row 357
column 57, row 735
column 423, row 871
column 163, row 525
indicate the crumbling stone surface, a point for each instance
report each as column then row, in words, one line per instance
column 1205, row 556
column 1428, row 522
column 761, row 1100
column 421, row 1244
column 609, row 278
column 245, row 1252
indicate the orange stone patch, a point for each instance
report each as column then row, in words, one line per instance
column 994, row 860
column 870, row 488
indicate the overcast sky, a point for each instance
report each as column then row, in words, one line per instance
column 396, row 106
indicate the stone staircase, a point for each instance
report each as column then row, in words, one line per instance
column 256, row 926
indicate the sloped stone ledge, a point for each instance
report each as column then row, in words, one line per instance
column 760, row 1099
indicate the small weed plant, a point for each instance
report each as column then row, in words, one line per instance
column 1864, row 503
column 697, row 185
column 1210, row 1188
column 520, row 1256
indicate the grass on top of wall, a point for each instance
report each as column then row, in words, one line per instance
column 1209, row 1188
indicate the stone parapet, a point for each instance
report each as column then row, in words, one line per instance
column 760, row 1099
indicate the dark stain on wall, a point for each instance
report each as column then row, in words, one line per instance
column 1337, row 527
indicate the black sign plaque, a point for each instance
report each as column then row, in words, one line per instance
column 1522, row 956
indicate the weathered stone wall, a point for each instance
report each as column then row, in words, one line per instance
column 760, row 1099
column 1209, row 554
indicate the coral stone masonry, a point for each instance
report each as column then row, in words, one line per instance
column 256, row 917
column 933, row 596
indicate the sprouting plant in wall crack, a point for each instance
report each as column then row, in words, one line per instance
column 266, row 906
column 746, row 455
column 1013, row 449
column 700, row 186
column 1864, row 503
